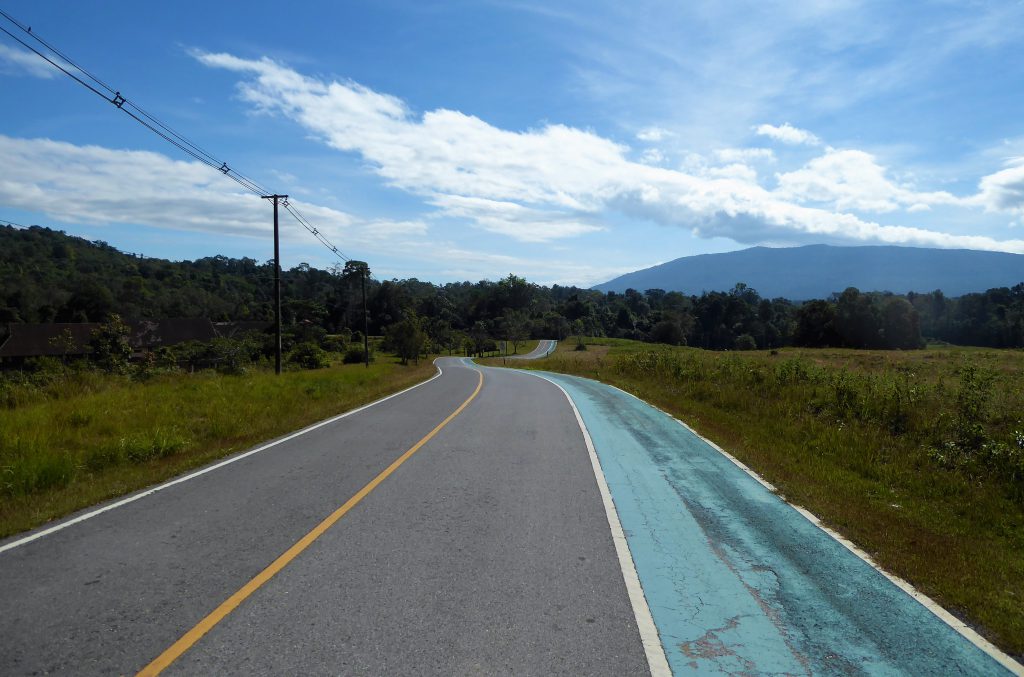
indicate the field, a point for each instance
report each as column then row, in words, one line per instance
column 89, row 436
column 917, row 457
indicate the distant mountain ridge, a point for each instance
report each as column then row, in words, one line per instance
column 816, row 271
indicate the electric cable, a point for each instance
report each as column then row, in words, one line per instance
column 155, row 125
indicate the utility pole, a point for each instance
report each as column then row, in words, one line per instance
column 277, row 285
column 366, row 335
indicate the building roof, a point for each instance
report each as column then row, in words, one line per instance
column 35, row 340
column 156, row 333
column 239, row 328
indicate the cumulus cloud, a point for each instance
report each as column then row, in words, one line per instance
column 513, row 219
column 1003, row 190
column 653, row 134
column 853, row 180
column 652, row 156
column 744, row 155
column 96, row 185
column 558, row 181
column 787, row 133
column 92, row 185
column 17, row 61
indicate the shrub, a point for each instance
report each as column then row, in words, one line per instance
column 745, row 342
column 309, row 356
column 354, row 354
column 110, row 347
column 334, row 343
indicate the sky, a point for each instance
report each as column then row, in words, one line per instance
column 566, row 142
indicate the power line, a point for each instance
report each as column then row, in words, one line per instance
column 155, row 125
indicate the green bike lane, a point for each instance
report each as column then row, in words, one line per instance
column 740, row 582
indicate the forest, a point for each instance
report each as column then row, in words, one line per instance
column 49, row 276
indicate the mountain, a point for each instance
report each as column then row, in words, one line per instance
column 815, row 271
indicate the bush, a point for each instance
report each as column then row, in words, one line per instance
column 309, row 356
column 354, row 354
column 334, row 343
column 745, row 342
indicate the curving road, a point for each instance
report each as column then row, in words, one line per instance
column 465, row 526
column 486, row 552
column 543, row 349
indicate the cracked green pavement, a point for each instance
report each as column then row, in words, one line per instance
column 737, row 580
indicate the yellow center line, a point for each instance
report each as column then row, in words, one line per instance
column 161, row 662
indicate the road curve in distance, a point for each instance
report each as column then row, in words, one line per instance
column 544, row 348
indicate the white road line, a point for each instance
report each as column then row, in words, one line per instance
column 216, row 466
column 966, row 631
column 653, row 649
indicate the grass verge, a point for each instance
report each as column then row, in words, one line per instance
column 917, row 457
column 80, row 446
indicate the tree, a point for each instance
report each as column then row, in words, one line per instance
column 857, row 320
column 480, row 335
column 514, row 292
column 900, row 326
column 815, row 325
column 111, row 349
column 515, row 328
column 406, row 338
column 745, row 342
column 65, row 343
column 668, row 331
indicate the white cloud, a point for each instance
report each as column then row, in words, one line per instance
column 652, row 156
column 513, row 219
column 745, row 155
column 17, row 61
column 787, row 133
column 92, row 185
column 1003, row 190
column 853, row 180
column 737, row 171
column 653, row 134
column 95, row 185
column 558, row 181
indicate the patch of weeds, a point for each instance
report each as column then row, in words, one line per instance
column 149, row 445
column 35, row 472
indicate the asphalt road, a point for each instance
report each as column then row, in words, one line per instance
column 543, row 349
column 487, row 552
column 486, row 544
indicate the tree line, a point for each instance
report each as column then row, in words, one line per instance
column 48, row 276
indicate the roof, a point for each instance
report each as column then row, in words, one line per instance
column 156, row 333
column 34, row 340
column 235, row 329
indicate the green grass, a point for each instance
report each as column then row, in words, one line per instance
column 917, row 457
column 90, row 437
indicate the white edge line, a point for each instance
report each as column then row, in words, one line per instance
column 968, row 633
column 211, row 468
column 653, row 649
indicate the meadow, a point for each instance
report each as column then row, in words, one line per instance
column 71, row 439
column 915, row 456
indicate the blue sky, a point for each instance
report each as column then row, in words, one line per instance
column 568, row 142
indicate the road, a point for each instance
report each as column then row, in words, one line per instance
column 487, row 552
column 543, row 349
column 464, row 527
